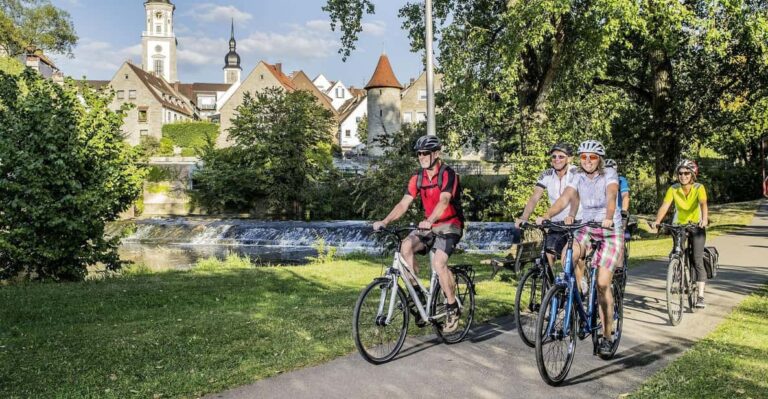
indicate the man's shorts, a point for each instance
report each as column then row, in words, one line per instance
column 610, row 251
column 445, row 242
column 555, row 242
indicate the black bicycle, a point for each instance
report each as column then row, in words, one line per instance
column 681, row 273
column 531, row 289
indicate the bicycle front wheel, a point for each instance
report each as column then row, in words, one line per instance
column 465, row 293
column 378, row 342
column 528, row 297
column 675, row 291
column 555, row 349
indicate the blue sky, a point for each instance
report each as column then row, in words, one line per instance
column 294, row 32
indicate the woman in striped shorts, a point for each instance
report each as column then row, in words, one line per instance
column 595, row 188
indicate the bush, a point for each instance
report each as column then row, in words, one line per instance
column 190, row 136
column 65, row 172
column 483, row 198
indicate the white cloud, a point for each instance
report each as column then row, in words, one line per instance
column 209, row 12
column 319, row 25
column 375, row 28
column 298, row 44
column 98, row 59
column 201, row 50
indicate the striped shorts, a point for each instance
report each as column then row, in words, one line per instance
column 609, row 255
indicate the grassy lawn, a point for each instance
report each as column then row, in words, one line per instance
column 220, row 325
column 729, row 363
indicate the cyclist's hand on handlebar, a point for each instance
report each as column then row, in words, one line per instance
column 540, row 220
column 519, row 222
column 607, row 223
column 425, row 225
column 569, row 219
column 379, row 225
column 654, row 227
column 704, row 222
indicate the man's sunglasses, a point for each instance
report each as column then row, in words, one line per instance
column 683, row 173
column 423, row 153
column 591, row 157
column 558, row 156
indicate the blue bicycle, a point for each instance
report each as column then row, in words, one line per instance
column 562, row 316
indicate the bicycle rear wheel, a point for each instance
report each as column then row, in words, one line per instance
column 555, row 351
column 530, row 291
column 675, row 291
column 465, row 293
column 379, row 343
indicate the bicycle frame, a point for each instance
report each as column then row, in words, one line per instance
column 569, row 280
column 396, row 273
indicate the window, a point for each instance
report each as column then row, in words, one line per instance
column 358, row 119
column 422, row 95
column 159, row 67
column 144, row 132
column 121, row 94
column 339, row 92
column 143, row 115
column 381, row 113
column 347, row 133
column 421, row 116
column 132, row 94
column 407, row 117
column 158, row 28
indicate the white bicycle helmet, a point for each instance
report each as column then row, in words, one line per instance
column 690, row 165
column 592, row 146
column 610, row 163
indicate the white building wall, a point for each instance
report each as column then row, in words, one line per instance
column 339, row 94
column 350, row 124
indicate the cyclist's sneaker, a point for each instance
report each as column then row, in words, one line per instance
column 700, row 303
column 605, row 348
column 452, row 318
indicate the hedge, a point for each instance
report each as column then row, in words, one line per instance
column 190, row 135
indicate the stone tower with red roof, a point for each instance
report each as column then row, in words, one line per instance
column 383, row 105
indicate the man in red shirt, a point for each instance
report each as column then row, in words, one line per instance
column 438, row 187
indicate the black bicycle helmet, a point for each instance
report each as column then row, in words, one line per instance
column 564, row 147
column 690, row 165
column 428, row 143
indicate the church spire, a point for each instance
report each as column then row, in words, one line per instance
column 232, row 67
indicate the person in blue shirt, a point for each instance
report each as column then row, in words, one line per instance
column 622, row 200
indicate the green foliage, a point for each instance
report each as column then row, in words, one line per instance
column 190, row 136
column 346, row 16
column 165, row 147
column 381, row 187
column 229, row 180
column 483, row 198
column 148, row 147
column 325, row 253
column 65, row 172
column 35, row 22
column 281, row 156
column 362, row 129
column 11, row 66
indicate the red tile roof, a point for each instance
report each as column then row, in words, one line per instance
column 162, row 91
column 383, row 75
column 284, row 80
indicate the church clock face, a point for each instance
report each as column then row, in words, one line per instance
column 159, row 15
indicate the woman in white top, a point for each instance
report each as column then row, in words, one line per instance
column 595, row 188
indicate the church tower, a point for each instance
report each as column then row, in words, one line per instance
column 383, row 105
column 232, row 67
column 158, row 42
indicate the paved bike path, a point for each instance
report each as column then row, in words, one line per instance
column 494, row 363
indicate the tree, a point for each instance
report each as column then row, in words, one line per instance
column 65, row 171
column 283, row 138
column 35, row 22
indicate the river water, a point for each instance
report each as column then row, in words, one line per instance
column 177, row 243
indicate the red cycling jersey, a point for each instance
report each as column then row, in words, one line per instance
column 430, row 194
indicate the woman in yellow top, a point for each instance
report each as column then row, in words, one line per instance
column 690, row 200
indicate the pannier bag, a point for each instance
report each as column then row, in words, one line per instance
column 711, row 261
